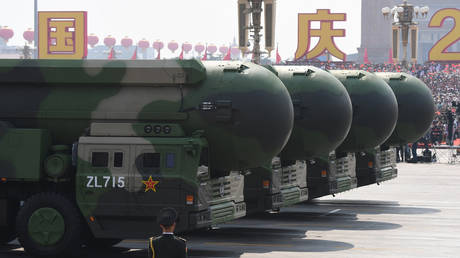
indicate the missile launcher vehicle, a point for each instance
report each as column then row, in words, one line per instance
column 415, row 105
column 415, row 115
column 91, row 150
column 375, row 112
column 322, row 119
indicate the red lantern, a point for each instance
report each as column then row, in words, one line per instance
column 223, row 50
column 110, row 41
column 93, row 40
column 29, row 35
column 186, row 47
column 143, row 44
column 6, row 33
column 158, row 45
column 126, row 42
column 212, row 49
column 173, row 46
column 199, row 48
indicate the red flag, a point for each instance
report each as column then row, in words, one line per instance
column 228, row 56
column 366, row 57
column 134, row 57
column 278, row 57
column 158, row 56
column 111, row 54
column 181, row 56
column 390, row 57
column 205, row 57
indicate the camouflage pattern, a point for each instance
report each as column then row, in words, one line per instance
column 415, row 108
column 322, row 111
column 225, row 99
column 111, row 193
column 142, row 135
column 375, row 110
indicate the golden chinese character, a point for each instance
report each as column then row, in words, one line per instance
column 326, row 34
column 62, row 35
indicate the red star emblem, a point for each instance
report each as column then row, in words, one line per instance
column 150, row 184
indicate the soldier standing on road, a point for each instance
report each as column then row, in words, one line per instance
column 167, row 245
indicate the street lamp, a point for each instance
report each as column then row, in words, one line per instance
column 403, row 20
column 250, row 20
column 36, row 29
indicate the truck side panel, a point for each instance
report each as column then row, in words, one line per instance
column 22, row 152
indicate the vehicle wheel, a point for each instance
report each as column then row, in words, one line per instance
column 49, row 225
column 103, row 242
column 8, row 233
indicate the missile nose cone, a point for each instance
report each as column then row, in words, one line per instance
column 261, row 117
column 375, row 110
column 322, row 111
column 415, row 106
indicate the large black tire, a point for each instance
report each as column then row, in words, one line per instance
column 70, row 242
column 8, row 233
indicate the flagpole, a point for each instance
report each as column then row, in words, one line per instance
column 36, row 28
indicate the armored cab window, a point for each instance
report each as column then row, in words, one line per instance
column 151, row 160
column 118, row 159
column 170, row 160
column 148, row 163
column 100, row 159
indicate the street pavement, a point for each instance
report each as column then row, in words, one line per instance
column 415, row 215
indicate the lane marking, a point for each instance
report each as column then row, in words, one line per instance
column 331, row 212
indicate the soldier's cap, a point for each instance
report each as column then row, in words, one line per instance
column 167, row 217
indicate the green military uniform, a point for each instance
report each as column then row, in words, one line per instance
column 167, row 245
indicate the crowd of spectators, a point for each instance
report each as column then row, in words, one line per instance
column 444, row 82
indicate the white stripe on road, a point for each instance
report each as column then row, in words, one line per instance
column 331, row 212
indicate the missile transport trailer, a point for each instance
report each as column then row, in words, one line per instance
column 91, row 150
column 375, row 112
column 322, row 119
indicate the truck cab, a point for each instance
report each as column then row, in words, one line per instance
column 376, row 166
column 109, row 185
column 120, row 175
column 279, row 184
column 333, row 174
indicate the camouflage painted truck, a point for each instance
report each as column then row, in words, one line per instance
column 375, row 111
column 322, row 119
column 90, row 150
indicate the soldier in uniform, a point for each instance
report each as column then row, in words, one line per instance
column 167, row 245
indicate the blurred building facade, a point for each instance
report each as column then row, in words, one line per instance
column 376, row 30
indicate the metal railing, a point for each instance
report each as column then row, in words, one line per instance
column 443, row 154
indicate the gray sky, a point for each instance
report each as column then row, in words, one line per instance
column 206, row 21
